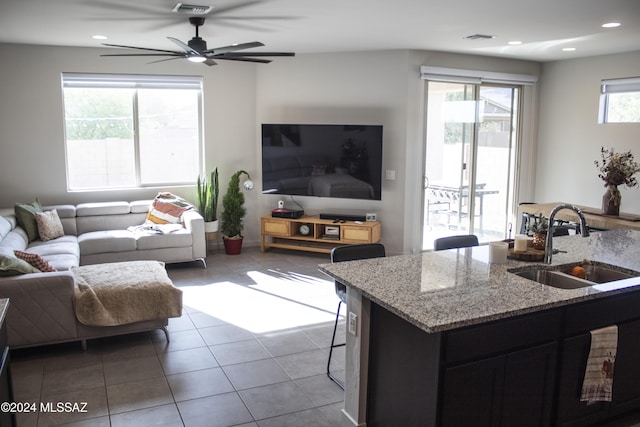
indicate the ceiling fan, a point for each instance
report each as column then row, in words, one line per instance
column 195, row 50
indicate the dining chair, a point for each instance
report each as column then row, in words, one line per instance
column 452, row 242
column 348, row 253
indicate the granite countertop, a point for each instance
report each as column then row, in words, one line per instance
column 439, row 291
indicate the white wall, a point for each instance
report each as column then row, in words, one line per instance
column 32, row 162
column 372, row 88
column 570, row 136
column 346, row 88
column 365, row 87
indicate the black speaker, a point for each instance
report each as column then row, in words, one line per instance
column 343, row 217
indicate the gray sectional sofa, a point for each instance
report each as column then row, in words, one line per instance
column 41, row 304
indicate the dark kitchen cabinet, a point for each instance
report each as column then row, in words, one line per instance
column 7, row 419
column 620, row 310
column 515, row 389
column 626, row 377
column 521, row 371
column 571, row 411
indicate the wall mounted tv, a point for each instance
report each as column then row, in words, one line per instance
column 324, row 160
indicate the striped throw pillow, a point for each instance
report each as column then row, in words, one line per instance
column 167, row 208
column 35, row 260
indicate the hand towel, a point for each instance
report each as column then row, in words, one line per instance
column 598, row 376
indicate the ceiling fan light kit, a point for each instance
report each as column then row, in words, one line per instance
column 195, row 50
column 192, row 9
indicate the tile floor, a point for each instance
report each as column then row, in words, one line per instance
column 249, row 350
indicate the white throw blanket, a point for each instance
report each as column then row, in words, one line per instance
column 598, row 377
column 125, row 292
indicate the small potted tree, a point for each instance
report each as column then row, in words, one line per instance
column 208, row 193
column 539, row 229
column 233, row 212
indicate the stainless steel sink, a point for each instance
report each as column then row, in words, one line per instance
column 560, row 276
column 600, row 273
column 556, row 279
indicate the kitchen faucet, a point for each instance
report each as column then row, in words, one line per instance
column 548, row 247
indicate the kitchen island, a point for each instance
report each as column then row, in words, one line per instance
column 446, row 338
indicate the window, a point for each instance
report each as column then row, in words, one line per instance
column 620, row 101
column 125, row 131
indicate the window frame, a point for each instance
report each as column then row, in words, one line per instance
column 134, row 82
column 615, row 86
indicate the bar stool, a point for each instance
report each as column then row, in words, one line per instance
column 348, row 253
column 453, row 242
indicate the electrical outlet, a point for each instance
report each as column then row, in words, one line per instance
column 353, row 324
column 390, row 174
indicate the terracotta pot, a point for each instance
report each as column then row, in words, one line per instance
column 232, row 246
column 611, row 201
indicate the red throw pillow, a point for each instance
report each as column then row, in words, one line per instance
column 35, row 260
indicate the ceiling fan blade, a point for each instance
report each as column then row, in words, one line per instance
column 223, row 9
column 232, row 48
column 176, row 54
column 244, row 58
column 185, row 46
column 140, row 48
column 242, row 54
column 168, row 59
column 210, row 62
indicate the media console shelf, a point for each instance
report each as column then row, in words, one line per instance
column 323, row 234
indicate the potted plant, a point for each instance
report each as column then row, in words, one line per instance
column 539, row 228
column 208, row 193
column 233, row 212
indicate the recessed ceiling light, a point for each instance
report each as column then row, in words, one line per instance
column 515, row 42
column 611, row 25
column 568, row 49
column 99, row 37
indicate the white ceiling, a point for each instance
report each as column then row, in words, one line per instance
column 306, row 26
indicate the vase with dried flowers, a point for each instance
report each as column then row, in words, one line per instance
column 615, row 169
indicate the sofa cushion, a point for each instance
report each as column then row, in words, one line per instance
column 176, row 239
column 96, row 242
column 63, row 262
column 49, row 225
column 12, row 266
column 5, row 227
column 67, row 215
column 104, row 208
column 26, row 217
column 86, row 224
column 35, row 260
column 140, row 206
column 16, row 239
column 62, row 253
column 167, row 208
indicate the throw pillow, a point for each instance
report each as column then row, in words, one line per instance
column 35, row 260
column 49, row 225
column 10, row 266
column 167, row 208
column 26, row 217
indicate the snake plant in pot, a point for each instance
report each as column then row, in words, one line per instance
column 233, row 212
column 208, row 192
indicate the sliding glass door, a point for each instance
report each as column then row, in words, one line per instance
column 469, row 163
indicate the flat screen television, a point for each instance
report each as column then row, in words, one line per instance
column 323, row 160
